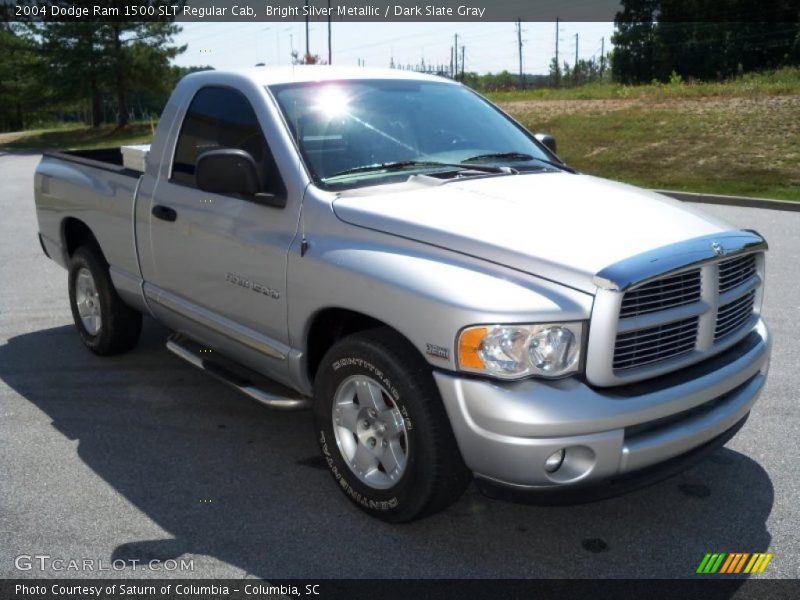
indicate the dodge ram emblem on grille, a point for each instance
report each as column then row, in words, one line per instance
column 717, row 248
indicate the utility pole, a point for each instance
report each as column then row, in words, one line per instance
column 330, row 51
column 307, row 47
column 576, row 51
column 451, row 62
column 463, row 50
column 519, row 46
column 602, row 56
column 455, row 57
column 558, row 67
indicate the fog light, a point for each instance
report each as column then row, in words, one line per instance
column 554, row 461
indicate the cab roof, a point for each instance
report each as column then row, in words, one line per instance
column 267, row 76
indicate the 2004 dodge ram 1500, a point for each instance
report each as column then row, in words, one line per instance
column 450, row 298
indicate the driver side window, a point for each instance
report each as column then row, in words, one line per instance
column 220, row 117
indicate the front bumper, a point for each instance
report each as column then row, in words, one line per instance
column 506, row 431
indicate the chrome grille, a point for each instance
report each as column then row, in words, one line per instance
column 654, row 344
column 677, row 290
column 733, row 315
column 629, row 341
column 735, row 271
column 662, row 319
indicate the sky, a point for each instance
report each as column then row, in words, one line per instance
column 489, row 47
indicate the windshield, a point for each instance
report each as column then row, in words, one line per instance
column 362, row 132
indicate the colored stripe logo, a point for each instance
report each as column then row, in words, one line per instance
column 734, row 562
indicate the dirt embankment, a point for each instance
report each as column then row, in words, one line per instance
column 736, row 105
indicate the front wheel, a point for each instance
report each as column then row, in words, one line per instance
column 383, row 430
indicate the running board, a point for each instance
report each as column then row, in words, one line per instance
column 259, row 388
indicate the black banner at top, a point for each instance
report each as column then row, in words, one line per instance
column 400, row 10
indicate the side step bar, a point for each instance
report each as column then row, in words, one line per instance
column 257, row 387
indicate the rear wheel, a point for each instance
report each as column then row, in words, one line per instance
column 383, row 430
column 105, row 323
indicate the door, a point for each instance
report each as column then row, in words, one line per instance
column 220, row 260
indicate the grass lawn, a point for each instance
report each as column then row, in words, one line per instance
column 746, row 147
column 76, row 137
column 738, row 138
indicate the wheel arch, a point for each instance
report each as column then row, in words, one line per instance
column 76, row 233
column 331, row 324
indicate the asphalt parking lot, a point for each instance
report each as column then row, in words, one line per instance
column 141, row 456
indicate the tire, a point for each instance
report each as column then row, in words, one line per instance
column 105, row 323
column 398, row 461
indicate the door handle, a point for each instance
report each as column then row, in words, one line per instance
column 165, row 213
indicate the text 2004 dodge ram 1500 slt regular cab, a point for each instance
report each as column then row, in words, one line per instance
column 450, row 298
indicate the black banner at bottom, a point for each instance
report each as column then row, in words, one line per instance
column 706, row 588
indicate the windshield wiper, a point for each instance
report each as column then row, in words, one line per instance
column 500, row 155
column 398, row 165
column 514, row 156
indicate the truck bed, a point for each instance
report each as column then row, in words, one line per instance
column 95, row 188
column 109, row 159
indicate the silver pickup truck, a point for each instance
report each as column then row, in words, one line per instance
column 397, row 254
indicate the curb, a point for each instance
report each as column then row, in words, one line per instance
column 733, row 200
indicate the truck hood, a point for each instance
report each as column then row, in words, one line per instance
column 559, row 226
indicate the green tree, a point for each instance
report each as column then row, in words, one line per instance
column 634, row 41
column 703, row 39
column 88, row 59
column 77, row 63
column 307, row 59
column 20, row 87
column 555, row 73
column 138, row 56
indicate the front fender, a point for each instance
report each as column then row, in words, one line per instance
column 427, row 294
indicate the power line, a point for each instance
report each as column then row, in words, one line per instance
column 210, row 35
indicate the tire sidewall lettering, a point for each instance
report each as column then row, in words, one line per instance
column 382, row 378
column 355, row 495
column 371, row 500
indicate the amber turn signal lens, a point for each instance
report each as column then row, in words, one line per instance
column 468, row 346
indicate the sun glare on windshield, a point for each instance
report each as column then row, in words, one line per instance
column 332, row 102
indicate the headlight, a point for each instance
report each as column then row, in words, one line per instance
column 517, row 351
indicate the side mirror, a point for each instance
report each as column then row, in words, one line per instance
column 233, row 171
column 227, row 171
column 548, row 141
